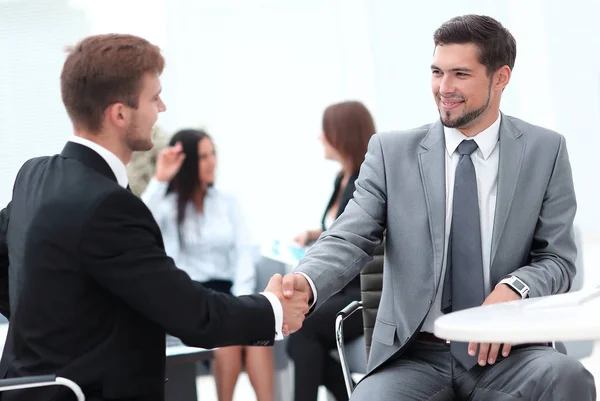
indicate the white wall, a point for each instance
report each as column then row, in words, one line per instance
column 258, row 75
column 574, row 82
column 33, row 35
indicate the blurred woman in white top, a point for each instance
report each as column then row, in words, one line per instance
column 203, row 231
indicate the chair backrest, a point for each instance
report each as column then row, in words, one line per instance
column 371, row 283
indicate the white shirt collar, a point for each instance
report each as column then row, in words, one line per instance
column 486, row 140
column 115, row 164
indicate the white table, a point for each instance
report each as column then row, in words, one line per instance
column 566, row 317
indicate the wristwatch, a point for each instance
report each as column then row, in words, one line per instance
column 517, row 285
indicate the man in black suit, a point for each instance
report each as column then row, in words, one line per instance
column 84, row 278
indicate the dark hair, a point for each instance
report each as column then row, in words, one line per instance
column 105, row 69
column 187, row 178
column 497, row 46
column 348, row 126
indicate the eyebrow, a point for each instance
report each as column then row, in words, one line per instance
column 457, row 69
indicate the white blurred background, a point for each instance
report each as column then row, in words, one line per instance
column 257, row 75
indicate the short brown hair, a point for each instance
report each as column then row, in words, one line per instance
column 497, row 46
column 348, row 126
column 105, row 69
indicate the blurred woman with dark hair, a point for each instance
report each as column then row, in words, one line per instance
column 347, row 129
column 203, row 231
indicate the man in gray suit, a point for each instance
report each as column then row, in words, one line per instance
column 478, row 209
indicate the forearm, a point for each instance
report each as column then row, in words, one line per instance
column 333, row 262
column 348, row 245
column 547, row 276
column 245, row 320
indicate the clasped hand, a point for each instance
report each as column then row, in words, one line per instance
column 294, row 293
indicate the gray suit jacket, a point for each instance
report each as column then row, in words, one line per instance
column 401, row 188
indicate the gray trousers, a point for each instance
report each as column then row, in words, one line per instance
column 427, row 371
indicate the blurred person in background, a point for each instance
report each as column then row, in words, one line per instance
column 204, row 232
column 347, row 128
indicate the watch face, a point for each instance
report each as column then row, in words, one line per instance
column 518, row 285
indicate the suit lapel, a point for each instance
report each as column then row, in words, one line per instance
column 511, row 160
column 89, row 158
column 432, row 165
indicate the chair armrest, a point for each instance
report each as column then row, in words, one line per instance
column 350, row 309
column 339, row 339
column 16, row 381
column 20, row 383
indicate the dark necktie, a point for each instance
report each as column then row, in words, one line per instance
column 463, row 283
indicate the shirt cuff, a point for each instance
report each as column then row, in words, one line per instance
column 312, row 287
column 277, row 312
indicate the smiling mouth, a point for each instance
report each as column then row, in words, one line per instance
column 449, row 105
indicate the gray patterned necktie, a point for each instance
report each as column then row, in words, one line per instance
column 463, row 283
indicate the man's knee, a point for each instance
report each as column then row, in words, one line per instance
column 566, row 375
column 402, row 382
column 571, row 371
column 364, row 390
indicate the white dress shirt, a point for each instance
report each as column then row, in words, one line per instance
column 215, row 242
column 120, row 172
column 486, row 161
column 115, row 164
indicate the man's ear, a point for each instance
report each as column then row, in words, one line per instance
column 118, row 115
column 501, row 77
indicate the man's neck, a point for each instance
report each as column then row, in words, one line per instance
column 472, row 130
column 108, row 142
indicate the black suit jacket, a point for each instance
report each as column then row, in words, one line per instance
column 89, row 291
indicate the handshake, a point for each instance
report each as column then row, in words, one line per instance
column 294, row 293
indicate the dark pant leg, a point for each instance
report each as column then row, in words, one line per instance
column 309, row 348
